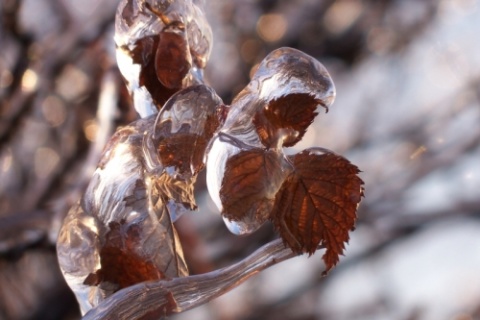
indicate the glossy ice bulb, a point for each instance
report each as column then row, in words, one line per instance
column 243, row 181
column 162, row 46
column 281, row 101
column 184, row 128
column 273, row 111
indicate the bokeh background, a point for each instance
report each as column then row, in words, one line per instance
column 407, row 113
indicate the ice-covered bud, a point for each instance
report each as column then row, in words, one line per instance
column 162, row 47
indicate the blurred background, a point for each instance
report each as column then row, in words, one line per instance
column 407, row 113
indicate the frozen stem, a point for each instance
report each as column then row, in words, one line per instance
column 165, row 297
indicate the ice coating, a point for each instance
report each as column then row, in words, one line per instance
column 243, row 181
column 184, row 127
column 285, row 75
column 286, row 71
column 220, row 151
column 120, row 233
column 162, row 46
column 273, row 111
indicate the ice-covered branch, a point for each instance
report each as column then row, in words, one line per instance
column 162, row 298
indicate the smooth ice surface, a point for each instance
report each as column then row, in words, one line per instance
column 192, row 110
column 216, row 161
column 282, row 73
column 242, row 227
column 184, row 127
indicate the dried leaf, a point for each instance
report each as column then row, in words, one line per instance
column 120, row 265
column 317, row 203
column 250, row 182
column 144, row 55
column 135, row 238
column 286, row 119
column 172, row 60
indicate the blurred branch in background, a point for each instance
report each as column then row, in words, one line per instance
column 407, row 113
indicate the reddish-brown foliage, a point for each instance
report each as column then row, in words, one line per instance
column 317, row 203
column 250, row 182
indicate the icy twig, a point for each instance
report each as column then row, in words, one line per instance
column 162, row 298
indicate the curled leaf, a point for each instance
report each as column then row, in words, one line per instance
column 172, row 59
column 317, row 203
column 278, row 105
column 144, row 55
column 121, row 232
column 285, row 120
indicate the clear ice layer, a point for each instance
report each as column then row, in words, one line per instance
column 273, row 111
column 281, row 99
column 162, row 47
column 185, row 126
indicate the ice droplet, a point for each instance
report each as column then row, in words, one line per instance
column 242, row 227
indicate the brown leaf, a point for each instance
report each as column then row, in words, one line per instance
column 172, row 60
column 144, row 55
column 136, row 239
column 250, row 182
column 121, row 267
column 317, row 203
column 185, row 152
column 286, row 119
column 184, row 127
